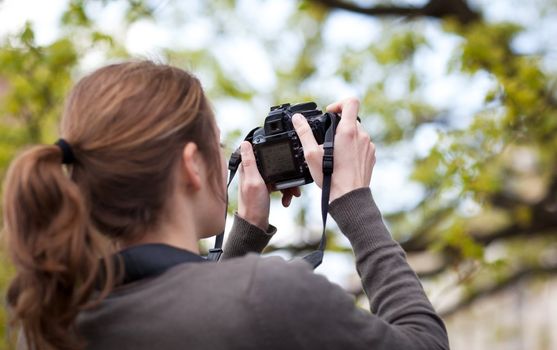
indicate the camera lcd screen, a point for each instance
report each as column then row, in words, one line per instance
column 276, row 158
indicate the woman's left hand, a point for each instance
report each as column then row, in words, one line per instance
column 253, row 194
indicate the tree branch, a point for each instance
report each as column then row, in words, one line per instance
column 543, row 222
column 487, row 291
column 498, row 287
column 458, row 9
column 373, row 11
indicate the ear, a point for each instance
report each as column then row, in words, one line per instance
column 191, row 166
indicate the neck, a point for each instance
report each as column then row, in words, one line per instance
column 176, row 228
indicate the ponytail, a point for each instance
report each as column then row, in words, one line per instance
column 57, row 253
column 127, row 124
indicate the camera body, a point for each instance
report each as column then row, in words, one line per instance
column 278, row 150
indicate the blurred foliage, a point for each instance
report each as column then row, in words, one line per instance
column 501, row 162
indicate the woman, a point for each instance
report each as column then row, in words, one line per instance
column 144, row 169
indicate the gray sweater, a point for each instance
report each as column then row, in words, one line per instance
column 249, row 302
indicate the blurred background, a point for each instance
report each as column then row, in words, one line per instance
column 460, row 97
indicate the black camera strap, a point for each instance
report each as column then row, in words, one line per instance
column 316, row 257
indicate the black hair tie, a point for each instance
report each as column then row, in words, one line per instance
column 67, row 153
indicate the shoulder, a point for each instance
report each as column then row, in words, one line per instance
column 195, row 279
column 235, row 271
column 277, row 272
column 286, row 286
column 288, row 298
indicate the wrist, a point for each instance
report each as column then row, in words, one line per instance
column 255, row 220
column 337, row 192
column 340, row 192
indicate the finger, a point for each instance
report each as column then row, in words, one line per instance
column 249, row 164
column 304, row 133
column 286, row 199
column 241, row 172
column 339, row 106
column 335, row 107
column 294, row 191
column 349, row 111
column 363, row 135
column 370, row 162
column 287, row 195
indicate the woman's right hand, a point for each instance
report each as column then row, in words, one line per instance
column 354, row 153
column 253, row 194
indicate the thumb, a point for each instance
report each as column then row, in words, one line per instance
column 304, row 133
column 312, row 152
column 249, row 164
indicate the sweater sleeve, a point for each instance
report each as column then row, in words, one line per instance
column 246, row 238
column 320, row 315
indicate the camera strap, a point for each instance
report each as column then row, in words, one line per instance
column 316, row 257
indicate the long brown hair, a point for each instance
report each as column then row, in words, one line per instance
column 127, row 124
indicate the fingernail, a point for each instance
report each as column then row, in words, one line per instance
column 297, row 119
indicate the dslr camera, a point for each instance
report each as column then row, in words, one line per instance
column 278, row 150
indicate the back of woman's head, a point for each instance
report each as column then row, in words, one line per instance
column 127, row 125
